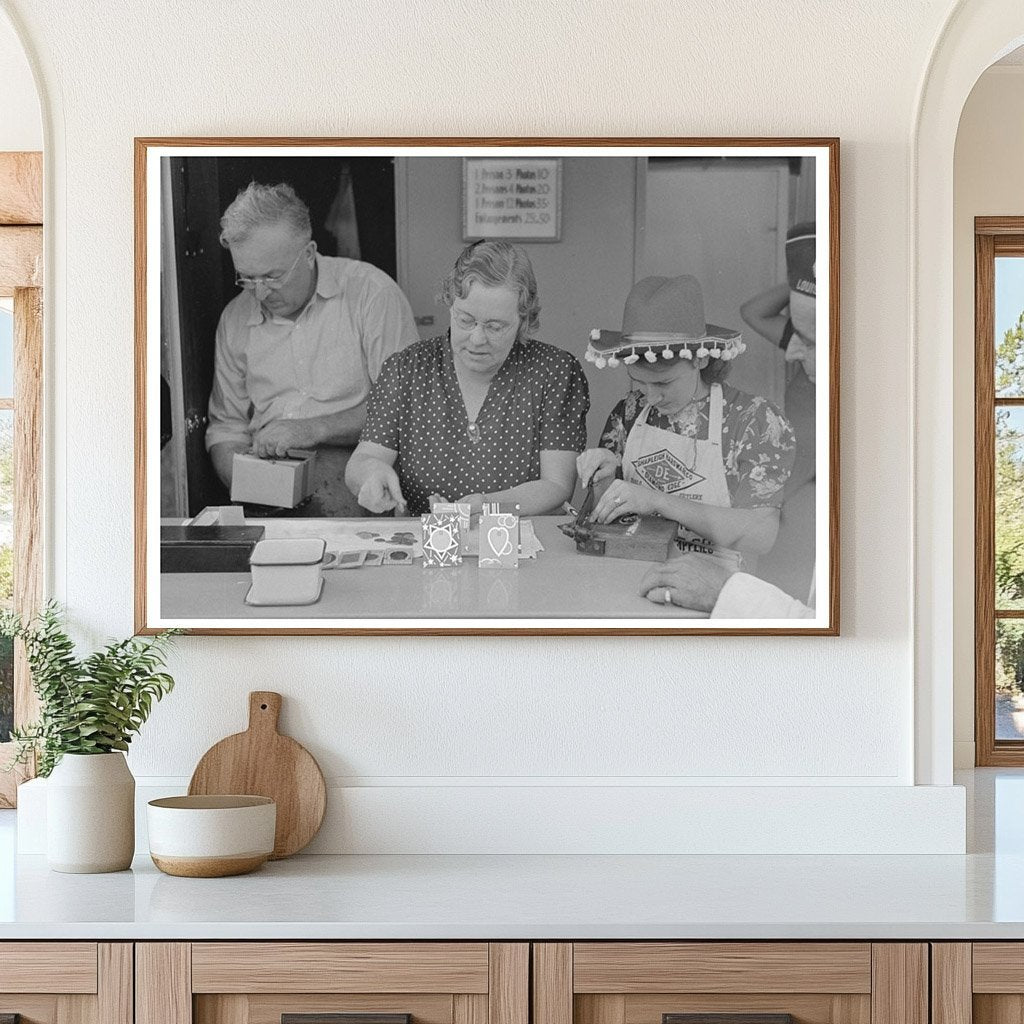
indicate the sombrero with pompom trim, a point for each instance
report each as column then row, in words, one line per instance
column 664, row 317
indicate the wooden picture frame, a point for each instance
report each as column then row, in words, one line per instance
column 629, row 209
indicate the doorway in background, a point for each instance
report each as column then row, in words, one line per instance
column 352, row 209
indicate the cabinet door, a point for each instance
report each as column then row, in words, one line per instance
column 730, row 983
column 332, row 983
column 981, row 982
column 66, row 982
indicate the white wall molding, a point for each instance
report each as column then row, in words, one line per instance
column 622, row 820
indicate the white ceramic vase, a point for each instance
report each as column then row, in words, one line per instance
column 90, row 814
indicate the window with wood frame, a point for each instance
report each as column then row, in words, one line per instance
column 999, row 490
column 21, row 363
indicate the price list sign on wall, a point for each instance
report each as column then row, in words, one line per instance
column 516, row 198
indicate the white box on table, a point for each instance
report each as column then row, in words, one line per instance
column 282, row 483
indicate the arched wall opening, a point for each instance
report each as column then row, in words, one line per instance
column 986, row 183
column 976, row 35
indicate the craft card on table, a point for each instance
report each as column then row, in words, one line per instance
column 499, row 535
column 441, row 546
column 462, row 509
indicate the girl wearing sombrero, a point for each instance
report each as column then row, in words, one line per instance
column 682, row 444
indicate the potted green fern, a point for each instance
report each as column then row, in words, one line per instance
column 89, row 709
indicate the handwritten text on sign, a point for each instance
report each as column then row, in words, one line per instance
column 511, row 198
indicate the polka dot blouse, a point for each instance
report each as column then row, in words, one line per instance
column 537, row 401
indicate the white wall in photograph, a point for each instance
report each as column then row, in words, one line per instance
column 419, row 726
column 601, row 236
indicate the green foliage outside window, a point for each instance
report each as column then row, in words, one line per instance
column 1009, row 511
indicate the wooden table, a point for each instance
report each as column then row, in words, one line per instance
column 559, row 583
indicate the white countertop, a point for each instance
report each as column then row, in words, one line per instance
column 518, row 897
column 976, row 896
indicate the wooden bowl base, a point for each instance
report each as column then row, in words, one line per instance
column 209, row 867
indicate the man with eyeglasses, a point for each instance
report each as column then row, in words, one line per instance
column 299, row 349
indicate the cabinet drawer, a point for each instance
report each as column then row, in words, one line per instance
column 58, row 967
column 634, row 967
column 340, row 967
column 981, row 982
column 730, row 983
column 66, row 982
column 998, row 967
column 329, row 982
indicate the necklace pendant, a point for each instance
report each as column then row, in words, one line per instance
column 473, row 433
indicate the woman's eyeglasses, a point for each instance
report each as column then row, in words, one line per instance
column 493, row 329
column 272, row 282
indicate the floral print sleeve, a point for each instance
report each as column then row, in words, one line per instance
column 613, row 437
column 619, row 422
column 760, row 452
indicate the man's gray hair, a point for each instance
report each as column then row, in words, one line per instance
column 258, row 205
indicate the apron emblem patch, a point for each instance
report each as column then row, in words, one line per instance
column 664, row 472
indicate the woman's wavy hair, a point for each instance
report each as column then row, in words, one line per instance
column 496, row 265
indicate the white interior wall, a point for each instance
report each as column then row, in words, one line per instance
column 446, row 713
column 987, row 182
column 21, row 127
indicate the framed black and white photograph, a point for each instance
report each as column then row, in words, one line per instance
column 541, row 386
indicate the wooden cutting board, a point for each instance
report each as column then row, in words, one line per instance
column 262, row 762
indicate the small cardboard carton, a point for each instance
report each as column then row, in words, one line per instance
column 281, row 483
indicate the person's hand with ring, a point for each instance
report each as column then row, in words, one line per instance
column 693, row 580
column 621, row 498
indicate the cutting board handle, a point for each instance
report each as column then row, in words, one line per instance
column 264, row 710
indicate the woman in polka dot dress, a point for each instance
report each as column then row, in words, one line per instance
column 482, row 413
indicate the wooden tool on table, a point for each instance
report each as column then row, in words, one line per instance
column 262, row 762
column 644, row 538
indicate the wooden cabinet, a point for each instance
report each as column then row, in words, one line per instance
column 512, row 982
column 66, row 982
column 978, row 983
column 260, row 982
column 652, row 982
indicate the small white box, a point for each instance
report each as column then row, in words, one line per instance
column 287, row 570
column 282, row 483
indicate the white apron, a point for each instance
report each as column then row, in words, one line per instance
column 684, row 466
